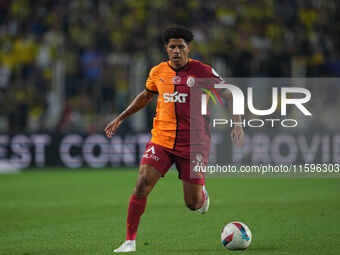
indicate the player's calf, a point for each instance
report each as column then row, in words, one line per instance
column 193, row 205
column 147, row 178
column 195, row 195
column 201, row 205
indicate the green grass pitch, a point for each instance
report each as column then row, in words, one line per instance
column 84, row 211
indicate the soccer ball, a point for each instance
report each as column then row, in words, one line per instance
column 236, row 236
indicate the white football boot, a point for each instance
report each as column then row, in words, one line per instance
column 205, row 206
column 127, row 246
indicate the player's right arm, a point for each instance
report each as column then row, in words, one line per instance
column 140, row 101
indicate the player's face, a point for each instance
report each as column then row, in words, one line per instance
column 178, row 51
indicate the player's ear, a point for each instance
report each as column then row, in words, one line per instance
column 189, row 48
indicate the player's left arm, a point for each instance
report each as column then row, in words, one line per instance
column 237, row 132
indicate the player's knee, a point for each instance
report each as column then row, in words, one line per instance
column 143, row 186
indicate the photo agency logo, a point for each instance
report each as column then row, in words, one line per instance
column 295, row 96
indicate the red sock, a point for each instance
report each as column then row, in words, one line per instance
column 135, row 211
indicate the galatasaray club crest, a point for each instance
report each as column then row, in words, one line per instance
column 176, row 80
column 190, row 81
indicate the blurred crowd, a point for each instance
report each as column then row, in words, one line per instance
column 89, row 49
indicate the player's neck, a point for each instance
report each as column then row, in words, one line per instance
column 179, row 65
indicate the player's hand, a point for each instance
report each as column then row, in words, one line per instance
column 112, row 126
column 237, row 135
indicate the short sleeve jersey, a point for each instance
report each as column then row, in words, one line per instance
column 171, row 124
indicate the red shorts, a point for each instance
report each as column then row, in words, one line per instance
column 162, row 158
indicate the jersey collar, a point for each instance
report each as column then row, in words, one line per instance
column 181, row 68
